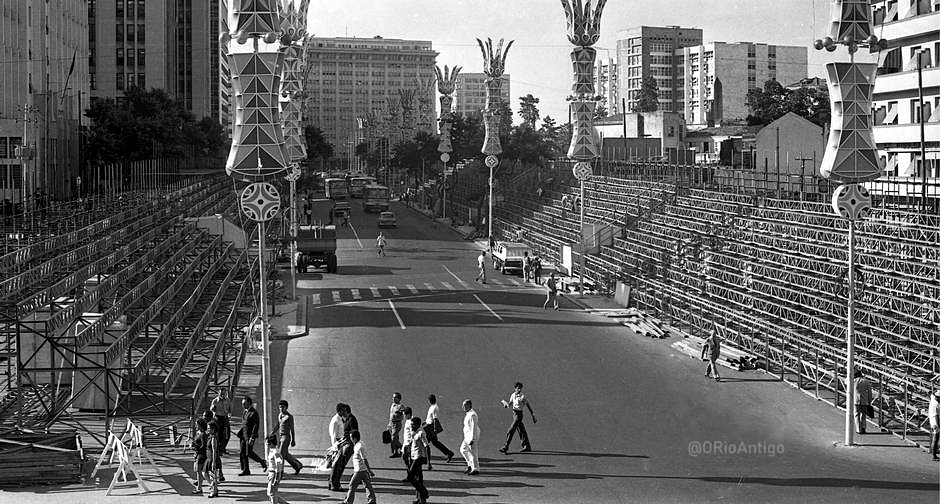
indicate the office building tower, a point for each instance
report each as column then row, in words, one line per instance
column 605, row 84
column 470, row 94
column 649, row 51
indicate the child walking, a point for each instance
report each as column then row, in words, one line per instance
column 275, row 467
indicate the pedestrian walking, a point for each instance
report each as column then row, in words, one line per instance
column 336, row 435
column 538, row 269
column 710, row 353
column 526, row 266
column 395, row 417
column 863, row 407
column 551, row 292
column 274, row 467
column 481, row 264
column 434, row 421
column 200, row 446
column 345, row 448
column 213, row 459
column 220, row 407
column 419, row 451
column 933, row 415
column 380, row 244
column 286, row 436
column 247, row 436
column 408, row 434
column 362, row 472
column 516, row 401
column 471, row 435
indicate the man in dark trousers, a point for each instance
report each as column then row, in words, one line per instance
column 517, row 401
column 247, row 436
column 350, row 423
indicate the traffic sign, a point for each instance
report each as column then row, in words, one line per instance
column 491, row 161
column 445, row 157
column 583, row 171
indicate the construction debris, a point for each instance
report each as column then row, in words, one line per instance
column 34, row 458
column 641, row 323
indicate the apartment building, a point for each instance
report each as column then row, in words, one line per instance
column 717, row 76
column 42, row 94
column 605, row 84
column 470, row 93
column 645, row 51
column 912, row 28
column 349, row 77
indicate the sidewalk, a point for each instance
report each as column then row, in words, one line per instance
column 463, row 231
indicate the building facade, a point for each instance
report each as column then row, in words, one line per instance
column 650, row 51
column 44, row 83
column 605, row 84
column 912, row 28
column 171, row 45
column 470, row 93
column 348, row 78
column 717, row 76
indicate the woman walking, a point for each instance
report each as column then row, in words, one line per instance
column 434, row 428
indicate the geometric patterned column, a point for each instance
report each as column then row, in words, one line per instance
column 294, row 30
column 851, row 155
column 494, row 64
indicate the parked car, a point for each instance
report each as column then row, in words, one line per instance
column 388, row 219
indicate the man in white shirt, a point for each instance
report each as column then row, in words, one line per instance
column 336, row 431
column 516, row 401
column 471, row 436
column 362, row 473
column 933, row 414
column 481, row 264
column 220, row 407
column 434, row 414
column 395, row 417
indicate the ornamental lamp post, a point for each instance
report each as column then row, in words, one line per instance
column 446, row 84
column 494, row 64
column 583, row 31
column 851, row 157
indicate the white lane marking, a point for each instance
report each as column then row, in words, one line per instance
column 356, row 235
column 393, row 289
column 496, row 281
column 356, row 295
column 412, row 288
column 455, row 276
column 306, row 284
column 448, row 286
column 514, row 282
column 336, row 298
column 375, row 291
column 428, row 286
column 315, row 299
column 487, row 307
column 402, row 324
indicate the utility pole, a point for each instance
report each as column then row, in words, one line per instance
column 802, row 159
column 920, row 110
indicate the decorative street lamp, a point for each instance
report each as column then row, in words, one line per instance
column 494, row 64
column 584, row 29
column 446, row 84
column 851, row 157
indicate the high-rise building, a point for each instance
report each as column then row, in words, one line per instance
column 605, row 84
column 349, row 77
column 717, row 76
column 172, row 45
column 470, row 93
column 910, row 28
column 650, row 51
column 43, row 85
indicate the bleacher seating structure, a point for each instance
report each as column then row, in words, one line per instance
column 137, row 313
column 769, row 273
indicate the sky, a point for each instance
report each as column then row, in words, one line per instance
column 538, row 61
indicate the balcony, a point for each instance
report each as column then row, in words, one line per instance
column 906, row 81
column 905, row 133
column 916, row 26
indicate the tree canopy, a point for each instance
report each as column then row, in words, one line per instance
column 648, row 98
column 773, row 101
column 528, row 110
column 317, row 146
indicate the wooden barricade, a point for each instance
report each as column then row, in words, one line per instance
column 125, row 449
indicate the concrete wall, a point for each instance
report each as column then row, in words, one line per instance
column 798, row 138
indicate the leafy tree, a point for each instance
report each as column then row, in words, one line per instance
column 467, row 135
column 600, row 111
column 648, row 97
column 528, row 109
column 317, row 146
column 410, row 155
column 773, row 101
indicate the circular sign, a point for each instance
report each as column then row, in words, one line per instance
column 445, row 157
column 491, row 161
column 260, row 201
column 582, row 171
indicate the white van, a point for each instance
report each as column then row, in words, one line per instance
column 507, row 256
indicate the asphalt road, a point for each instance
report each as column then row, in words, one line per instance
column 621, row 418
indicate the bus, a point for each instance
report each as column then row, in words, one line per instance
column 357, row 184
column 335, row 188
column 375, row 198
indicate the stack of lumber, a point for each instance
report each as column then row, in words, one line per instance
column 40, row 459
column 641, row 323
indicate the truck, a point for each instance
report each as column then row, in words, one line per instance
column 507, row 256
column 336, row 188
column 375, row 198
column 357, row 185
column 316, row 246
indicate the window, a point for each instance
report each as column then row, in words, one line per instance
column 141, row 59
column 130, row 8
column 916, row 111
column 141, row 80
column 119, row 55
column 130, row 58
column 140, row 9
column 119, row 80
column 3, row 148
column 130, row 33
column 119, row 32
column 119, row 8
column 92, row 82
column 140, row 33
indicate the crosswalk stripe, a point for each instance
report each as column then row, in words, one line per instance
column 514, row 282
column 412, row 289
column 336, row 298
column 429, row 286
column 393, row 289
column 315, row 299
column 375, row 291
column 356, row 295
column 448, row 286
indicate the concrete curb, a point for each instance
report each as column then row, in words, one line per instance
column 438, row 220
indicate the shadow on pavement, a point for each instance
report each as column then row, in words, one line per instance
column 589, row 455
